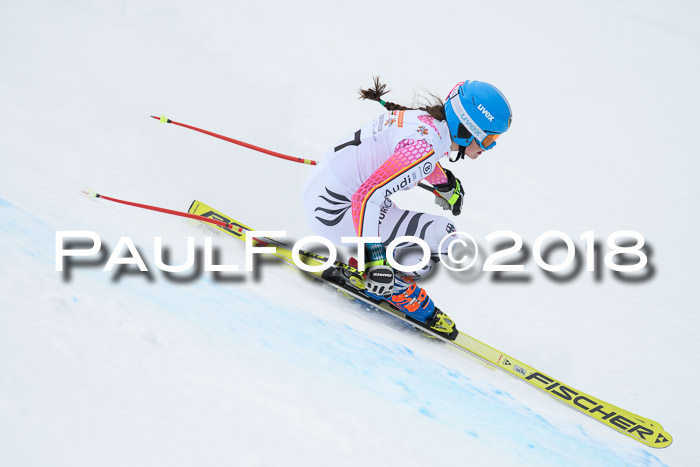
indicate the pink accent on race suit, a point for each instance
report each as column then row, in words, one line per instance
column 428, row 120
column 407, row 153
column 438, row 177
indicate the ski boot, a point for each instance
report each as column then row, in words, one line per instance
column 412, row 300
column 420, row 309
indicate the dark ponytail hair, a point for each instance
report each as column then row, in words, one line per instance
column 436, row 110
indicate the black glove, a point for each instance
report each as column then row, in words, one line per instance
column 451, row 196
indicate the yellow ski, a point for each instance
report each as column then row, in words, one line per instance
column 642, row 429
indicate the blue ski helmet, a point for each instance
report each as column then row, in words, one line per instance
column 476, row 110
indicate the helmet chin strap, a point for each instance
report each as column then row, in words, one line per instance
column 460, row 154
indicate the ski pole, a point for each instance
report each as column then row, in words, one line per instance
column 163, row 119
column 225, row 225
column 427, row 187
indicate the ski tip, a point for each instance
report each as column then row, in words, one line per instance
column 663, row 440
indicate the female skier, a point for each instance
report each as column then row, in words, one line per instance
column 349, row 192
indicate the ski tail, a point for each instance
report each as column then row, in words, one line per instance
column 240, row 231
column 237, row 230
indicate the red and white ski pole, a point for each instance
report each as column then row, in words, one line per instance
column 163, row 119
column 92, row 194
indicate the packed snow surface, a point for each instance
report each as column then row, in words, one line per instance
column 270, row 368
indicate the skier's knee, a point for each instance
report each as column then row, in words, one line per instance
column 438, row 230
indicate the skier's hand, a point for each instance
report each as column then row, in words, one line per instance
column 379, row 282
column 450, row 195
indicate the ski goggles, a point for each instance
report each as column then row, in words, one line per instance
column 488, row 141
column 468, row 129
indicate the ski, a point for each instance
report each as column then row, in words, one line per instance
column 644, row 430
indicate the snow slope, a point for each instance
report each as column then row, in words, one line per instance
column 107, row 370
